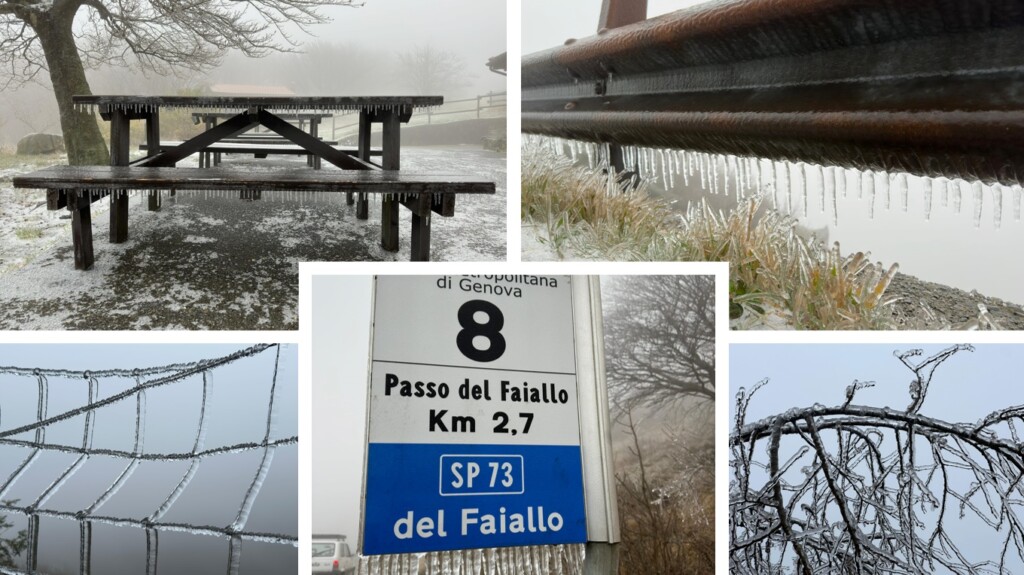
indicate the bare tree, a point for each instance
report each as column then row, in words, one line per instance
column 660, row 339
column 429, row 71
column 666, row 499
column 159, row 35
column 659, row 353
column 860, row 489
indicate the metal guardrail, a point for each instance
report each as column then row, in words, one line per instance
column 929, row 87
column 494, row 100
column 488, row 101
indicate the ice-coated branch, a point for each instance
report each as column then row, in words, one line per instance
column 862, row 489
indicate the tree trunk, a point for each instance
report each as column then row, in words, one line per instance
column 82, row 136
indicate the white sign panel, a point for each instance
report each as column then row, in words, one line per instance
column 474, row 426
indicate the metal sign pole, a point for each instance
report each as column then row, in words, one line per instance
column 602, row 551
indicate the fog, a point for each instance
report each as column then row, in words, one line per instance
column 547, row 24
column 358, row 53
column 235, row 413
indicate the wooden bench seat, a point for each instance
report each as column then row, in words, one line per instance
column 422, row 194
column 258, row 147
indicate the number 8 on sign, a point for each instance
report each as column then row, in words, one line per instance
column 489, row 330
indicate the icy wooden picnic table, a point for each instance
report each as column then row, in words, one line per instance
column 420, row 193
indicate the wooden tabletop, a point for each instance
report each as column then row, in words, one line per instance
column 294, row 103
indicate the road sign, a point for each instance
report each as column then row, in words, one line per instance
column 473, row 434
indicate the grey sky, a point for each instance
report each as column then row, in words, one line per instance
column 965, row 388
column 341, row 347
column 548, row 23
column 236, row 412
column 473, row 29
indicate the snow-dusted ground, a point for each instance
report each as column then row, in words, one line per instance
column 217, row 262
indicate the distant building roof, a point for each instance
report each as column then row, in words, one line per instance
column 250, row 90
column 499, row 63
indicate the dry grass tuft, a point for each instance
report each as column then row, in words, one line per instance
column 770, row 265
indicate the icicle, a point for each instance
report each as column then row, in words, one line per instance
column 1017, row 193
column 978, row 194
column 868, row 187
column 882, row 185
column 664, row 169
column 832, row 196
column 900, row 182
column 724, row 170
column 961, row 188
column 782, row 184
column 929, row 193
column 997, row 206
column 798, row 183
column 730, row 166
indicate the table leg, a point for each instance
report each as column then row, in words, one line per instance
column 119, row 143
column 215, row 155
column 391, row 140
column 314, row 130
column 365, row 125
column 153, row 148
column 81, row 228
column 420, row 245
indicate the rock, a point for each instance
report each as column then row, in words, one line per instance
column 40, row 144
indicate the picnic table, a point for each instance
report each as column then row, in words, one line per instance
column 421, row 194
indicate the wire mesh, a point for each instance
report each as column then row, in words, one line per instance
column 153, row 524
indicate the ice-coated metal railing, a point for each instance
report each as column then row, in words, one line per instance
column 931, row 88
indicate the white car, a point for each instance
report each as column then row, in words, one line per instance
column 332, row 555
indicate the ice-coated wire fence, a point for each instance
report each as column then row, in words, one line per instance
column 147, row 379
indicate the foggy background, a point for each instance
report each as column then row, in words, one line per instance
column 358, row 53
column 548, row 23
column 236, row 412
column 964, row 389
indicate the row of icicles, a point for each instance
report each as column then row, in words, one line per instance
column 527, row 560
column 789, row 185
column 271, row 195
column 217, row 107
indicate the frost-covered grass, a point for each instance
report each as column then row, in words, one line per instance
column 770, row 266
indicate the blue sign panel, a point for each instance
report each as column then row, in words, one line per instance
column 406, row 512
column 473, row 436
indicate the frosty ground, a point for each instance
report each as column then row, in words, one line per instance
column 205, row 262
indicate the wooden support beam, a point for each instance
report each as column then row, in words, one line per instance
column 81, row 228
column 153, row 146
column 365, row 125
column 314, row 145
column 391, row 140
column 119, row 146
column 236, row 125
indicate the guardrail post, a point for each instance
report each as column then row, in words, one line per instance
column 616, row 13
